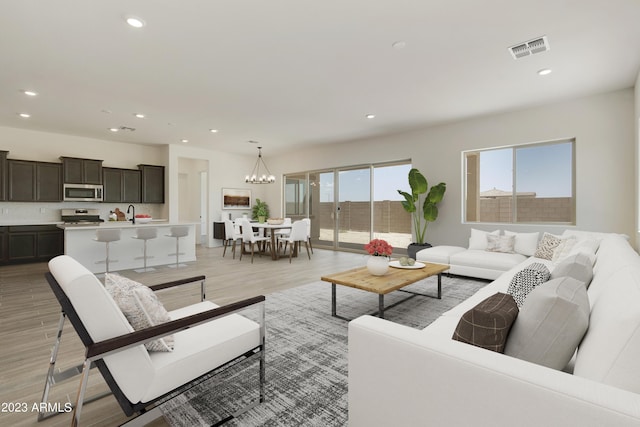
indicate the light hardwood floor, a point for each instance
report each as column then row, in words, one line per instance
column 29, row 315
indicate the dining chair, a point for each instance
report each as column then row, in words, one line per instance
column 248, row 237
column 285, row 231
column 298, row 234
column 308, row 222
column 231, row 235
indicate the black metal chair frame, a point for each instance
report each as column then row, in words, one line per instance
column 96, row 351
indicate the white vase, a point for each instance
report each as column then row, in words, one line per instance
column 378, row 265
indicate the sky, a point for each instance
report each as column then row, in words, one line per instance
column 354, row 184
column 542, row 169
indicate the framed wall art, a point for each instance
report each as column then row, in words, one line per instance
column 236, row 198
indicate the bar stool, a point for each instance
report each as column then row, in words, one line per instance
column 145, row 233
column 107, row 235
column 178, row 232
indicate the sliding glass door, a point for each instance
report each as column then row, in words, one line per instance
column 322, row 208
column 350, row 206
column 354, row 208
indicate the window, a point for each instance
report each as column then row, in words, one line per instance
column 521, row 184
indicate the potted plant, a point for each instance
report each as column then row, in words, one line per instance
column 260, row 211
column 427, row 210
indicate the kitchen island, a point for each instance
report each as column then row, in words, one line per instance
column 126, row 253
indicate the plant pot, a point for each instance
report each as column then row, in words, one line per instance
column 261, row 219
column 378, row 265
column 414, row 248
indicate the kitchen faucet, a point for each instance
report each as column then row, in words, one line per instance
column 133, row 218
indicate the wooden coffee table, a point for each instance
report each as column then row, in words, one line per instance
column 394, row 280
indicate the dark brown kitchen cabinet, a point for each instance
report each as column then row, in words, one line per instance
column 30, row 181
column 81, row 171
column 22, row 180
column 122, row 185
column 48, row 182
column 3, row 175
column 31, row 243
column 152, row 183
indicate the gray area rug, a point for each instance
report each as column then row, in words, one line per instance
column 306, row 356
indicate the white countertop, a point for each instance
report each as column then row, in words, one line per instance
column 124, row 224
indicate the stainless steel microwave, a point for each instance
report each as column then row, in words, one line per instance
column 83, row 192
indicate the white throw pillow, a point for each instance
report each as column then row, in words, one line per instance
column 588, row 246
column 563, row 250
column 503, row 244
column 478, row 239
column 140, row 306
column 526, row 243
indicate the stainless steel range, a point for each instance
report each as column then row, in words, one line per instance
column 81, row 216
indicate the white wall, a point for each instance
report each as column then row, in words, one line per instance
column 224, row 171
column 603, row 126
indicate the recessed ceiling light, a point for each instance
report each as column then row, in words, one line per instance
column 135, row 22
column 139, row 115
column 114, row 129
column 184, row 141
column 30, row 93
column 544, row 71
column 24, row 115
column 213, row 130
column 370, row 116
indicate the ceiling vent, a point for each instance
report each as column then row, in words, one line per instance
column 541, row 44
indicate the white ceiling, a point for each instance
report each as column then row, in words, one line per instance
column 293, row 72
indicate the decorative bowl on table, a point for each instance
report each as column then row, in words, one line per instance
column 275, row 221
column 143, row 219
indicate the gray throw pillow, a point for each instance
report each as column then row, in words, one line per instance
column 140, row 306
column 487, row 324
column 551, row 323
column 577, row 266
column 525, row 280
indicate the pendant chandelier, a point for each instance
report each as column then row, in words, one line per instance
column 255, row 177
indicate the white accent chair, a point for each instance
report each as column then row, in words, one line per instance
column 207, row 339
column 145, row 233
column 231, row 235
column 107, row 235
column 249, row 238
column 298, row 235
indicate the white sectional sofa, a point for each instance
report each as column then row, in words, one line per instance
column 402, row 376
column 476, row 260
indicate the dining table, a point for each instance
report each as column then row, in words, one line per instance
column 264, row 226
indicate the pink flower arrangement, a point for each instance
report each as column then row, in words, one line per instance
column 378, row 247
